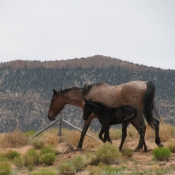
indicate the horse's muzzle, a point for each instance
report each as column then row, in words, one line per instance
column 51, row 117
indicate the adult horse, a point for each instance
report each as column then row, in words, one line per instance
column 138, row 94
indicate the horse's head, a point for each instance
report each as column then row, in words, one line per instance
column 56, row 105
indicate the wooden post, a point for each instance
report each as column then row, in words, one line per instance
column 60, row 127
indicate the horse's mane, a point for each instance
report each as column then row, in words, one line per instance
column 69, row 89
column 85, row 89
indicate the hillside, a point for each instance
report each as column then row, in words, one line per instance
column 26, row 87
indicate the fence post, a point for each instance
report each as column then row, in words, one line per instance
column 60, row 127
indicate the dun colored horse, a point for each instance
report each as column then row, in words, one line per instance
column 138, row 94
column 108, row 116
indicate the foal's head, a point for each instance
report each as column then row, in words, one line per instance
column 89, row 107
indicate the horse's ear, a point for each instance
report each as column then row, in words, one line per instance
column 60, row 89
column 54, row 91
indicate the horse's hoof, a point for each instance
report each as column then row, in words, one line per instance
column 137, row 149
column 145, row 150
column 79, row 149
column 160, row 145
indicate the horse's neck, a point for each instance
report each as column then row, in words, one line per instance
column 73, row 97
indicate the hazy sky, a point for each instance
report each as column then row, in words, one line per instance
column 139, row 31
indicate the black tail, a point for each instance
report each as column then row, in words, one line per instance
column 149, row 109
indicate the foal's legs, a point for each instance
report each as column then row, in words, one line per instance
column 105, row 129
column 106, row 136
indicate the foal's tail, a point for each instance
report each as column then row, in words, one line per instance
column 149, row 108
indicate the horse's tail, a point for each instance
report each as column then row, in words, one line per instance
column 149, row 108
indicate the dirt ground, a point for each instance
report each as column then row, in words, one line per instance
column 139, row 163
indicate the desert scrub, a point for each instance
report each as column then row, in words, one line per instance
column 161, row 153
column 48, row 149
column 66, row 168
column 43, row 172
column 3, row 157
column 13, row 139
column 47, row 158
column 172, row 148
column 78, row 163
column 31, row 159
column 11, row 154
column 115, row 134
column 5, row 168
column 30, row 133
column 127, row 152
column 37, row 143
column 18, row 162
column 107, row 153
column 105, row 169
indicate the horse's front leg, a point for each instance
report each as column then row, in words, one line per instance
column 84, row 130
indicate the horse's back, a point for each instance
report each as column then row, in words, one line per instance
column 130, row 93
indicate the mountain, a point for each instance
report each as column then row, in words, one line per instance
column 26, row 88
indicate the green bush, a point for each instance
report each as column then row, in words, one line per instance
column 37, row 143
column 78, row 163
column 66, row 168
column 161, row 153
column 44, row 172
column 127, row 152
column 30, row 133
column 18, row 162
column 5, row 168
column 47, row 158
column 31, row 158
column 107, row 153
column 11, row 154
column 48, row 149
column 105, row 169
column 3, row 157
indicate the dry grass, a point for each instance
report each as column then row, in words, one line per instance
column 50, row 137
column 13, row 139
column 166, row 132
column 72, row 138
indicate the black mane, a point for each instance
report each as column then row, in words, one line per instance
column 69, row 89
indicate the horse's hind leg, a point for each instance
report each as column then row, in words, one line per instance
column 157, row 138
column 142, row 136
column 124, row 134
column 142, row 128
